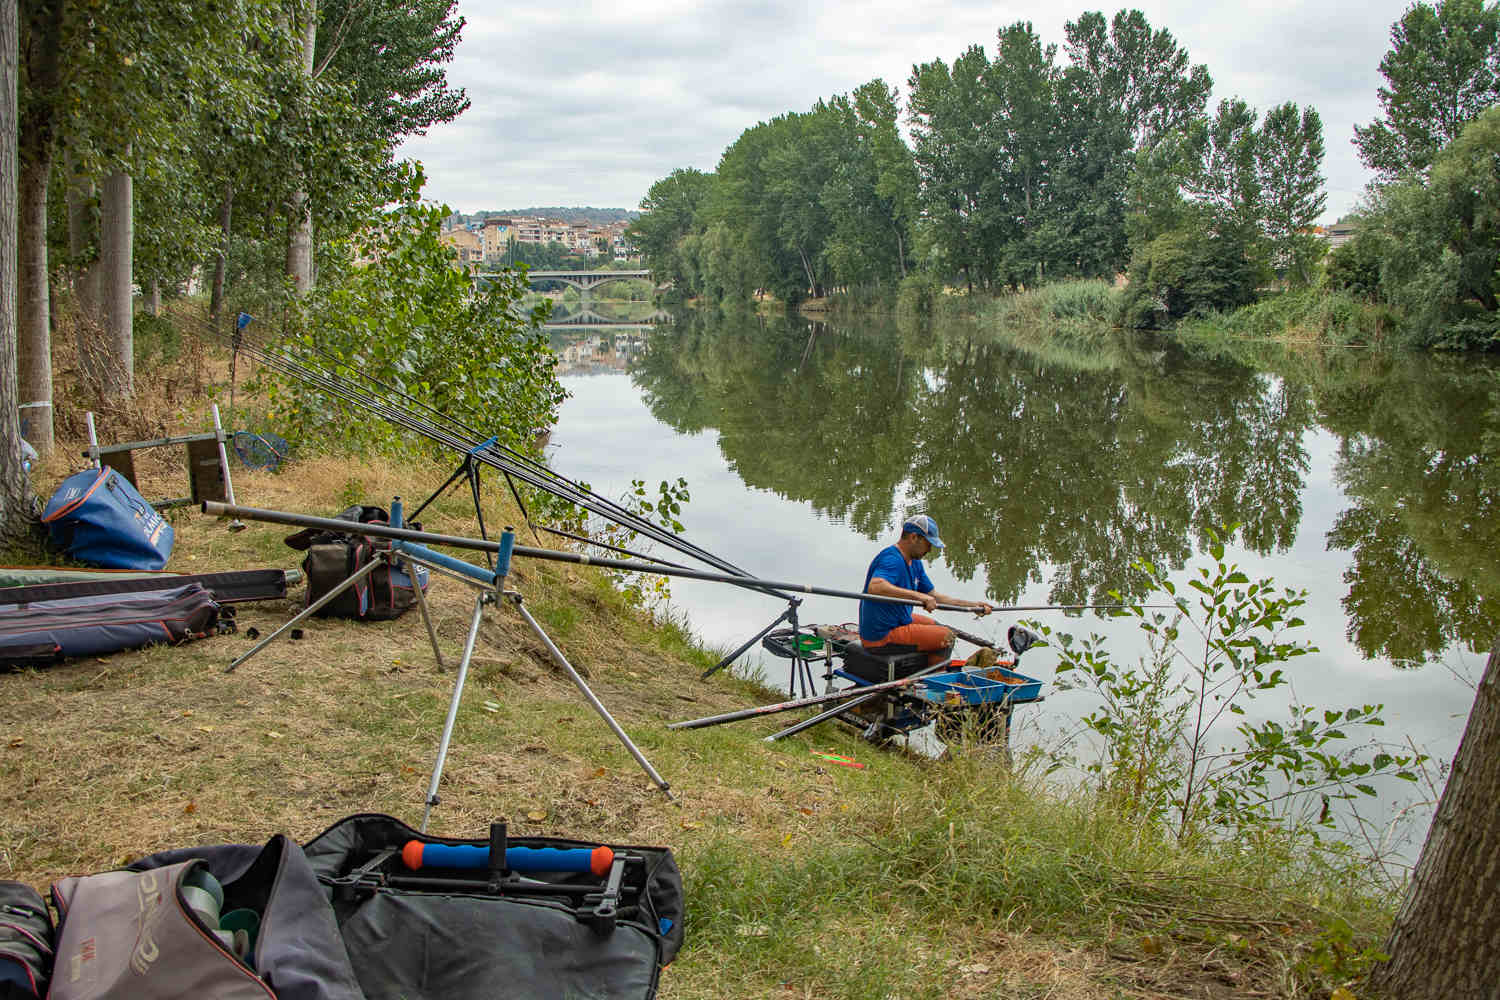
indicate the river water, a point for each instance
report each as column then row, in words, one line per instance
column 1367, row 480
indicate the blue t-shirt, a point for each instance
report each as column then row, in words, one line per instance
column 877, row 618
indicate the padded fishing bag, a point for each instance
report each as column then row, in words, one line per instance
column 440, row 933
column 135, row 934
column 41, row 632
column 332, row 557
column 25, row 943
column 98, row 518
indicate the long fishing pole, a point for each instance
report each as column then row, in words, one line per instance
column 787, row 706
column 553, row 481
column 549, row 483
column 580, row 559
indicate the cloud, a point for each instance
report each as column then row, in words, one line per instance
column 581, row 104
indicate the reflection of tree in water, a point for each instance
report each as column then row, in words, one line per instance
column 1025, row 464
column 799, row 411
column 1417, row 459
column 1089, row 471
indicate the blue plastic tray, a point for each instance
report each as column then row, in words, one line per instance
column 994, row 685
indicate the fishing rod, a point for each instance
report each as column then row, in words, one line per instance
column 527, row 470
column 579, row 559
column 789, row 706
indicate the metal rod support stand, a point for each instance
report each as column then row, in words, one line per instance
column 609, row 720
column 458, row 692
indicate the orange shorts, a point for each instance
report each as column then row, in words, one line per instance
column 924, row 633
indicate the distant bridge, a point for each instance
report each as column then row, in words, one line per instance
column 581, row 280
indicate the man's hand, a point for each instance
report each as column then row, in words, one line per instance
column 982, row 608
column 929, row 602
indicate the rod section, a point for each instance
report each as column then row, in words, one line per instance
column 554, row 555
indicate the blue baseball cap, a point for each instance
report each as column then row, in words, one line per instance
column 924, row 526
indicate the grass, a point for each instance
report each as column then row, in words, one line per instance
column 909, row 878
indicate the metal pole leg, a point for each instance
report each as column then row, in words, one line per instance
column 236, row 524
column 458, row 693
column 598, row 705
column 411, row 571
column 312, row 608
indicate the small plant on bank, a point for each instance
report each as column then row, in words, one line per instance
column 1223, row 645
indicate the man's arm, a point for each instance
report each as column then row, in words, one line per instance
column 881, row 587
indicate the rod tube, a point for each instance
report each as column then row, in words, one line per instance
column 609, row 720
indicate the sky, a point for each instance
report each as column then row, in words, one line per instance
column 590, row 104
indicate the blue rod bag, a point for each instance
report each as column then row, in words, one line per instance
column 98, row 518
column 41, row 632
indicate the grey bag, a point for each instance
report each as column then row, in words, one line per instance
column 133, row 934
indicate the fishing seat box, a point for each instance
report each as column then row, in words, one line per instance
column 884, row 663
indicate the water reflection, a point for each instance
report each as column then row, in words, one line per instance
column 1066, row 467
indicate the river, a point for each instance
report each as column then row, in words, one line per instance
column 1365, row 479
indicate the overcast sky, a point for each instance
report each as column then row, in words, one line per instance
column 574, row 104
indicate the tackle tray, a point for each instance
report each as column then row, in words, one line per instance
column 995, row 685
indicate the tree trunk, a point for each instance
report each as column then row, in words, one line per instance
column 1442, row 944
column 299, row 250
column 15, row 490
column 33, row 299
column 116, row 239
column 153, row 299
column 41, row 46
column 83, row 239
column 221, row 259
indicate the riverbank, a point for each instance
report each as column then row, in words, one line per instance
column 1090, row 309
column 905, row 878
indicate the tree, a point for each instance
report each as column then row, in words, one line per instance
column 382, row 63
column 15, row 500
column 1126, row 89
column 669, row 212
column 1441, row 73
column 1442, row 943
column 1439, row 241
column 1289, row 163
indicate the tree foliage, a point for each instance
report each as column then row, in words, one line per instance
column 410, row 319
column 1442, row 71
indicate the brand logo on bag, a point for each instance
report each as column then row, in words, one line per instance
column 87, row 950
column 148, row 901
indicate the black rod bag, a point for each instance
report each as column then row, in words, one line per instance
column 41, row 632
column 444, row 934
column 230, row 587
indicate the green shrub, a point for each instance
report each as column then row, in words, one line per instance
column 411, row 320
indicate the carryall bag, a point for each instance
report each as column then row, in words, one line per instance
column 449, row 933
column 332, row 557
column 25, row 942
column 36, row 633
column 143, row 933
column 98, row 518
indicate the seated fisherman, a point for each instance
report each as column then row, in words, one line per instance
column 897, row 572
